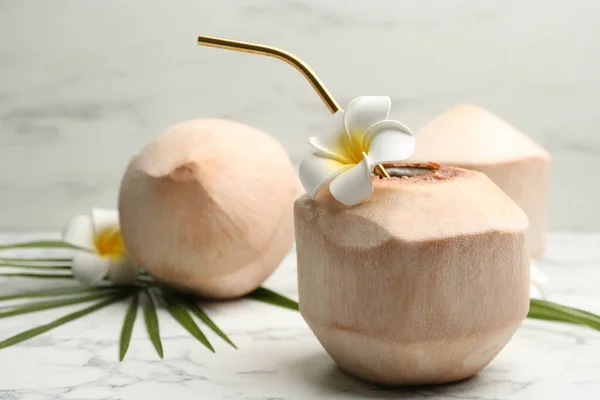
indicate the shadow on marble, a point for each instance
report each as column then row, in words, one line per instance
column 319, row 370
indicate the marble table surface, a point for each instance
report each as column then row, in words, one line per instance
column 278, row 356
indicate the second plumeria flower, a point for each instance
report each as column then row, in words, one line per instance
column 538, row 281
column 101, row 253
column 347, row 154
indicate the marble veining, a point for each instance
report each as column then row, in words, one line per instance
column 85, row 84
column 279, row 358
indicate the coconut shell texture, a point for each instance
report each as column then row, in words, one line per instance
column 471, row 137
column 207, row 207
column 425, row 282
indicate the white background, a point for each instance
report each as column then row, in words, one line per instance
column 86, row 83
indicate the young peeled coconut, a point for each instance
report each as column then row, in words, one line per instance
column 424, row 282
column 471, row 137
column 207, row 207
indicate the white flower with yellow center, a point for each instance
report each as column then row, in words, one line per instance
column 346, row 156
column 101, row 252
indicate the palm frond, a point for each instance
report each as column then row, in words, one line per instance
column 268, row 296
column 34, row 260
column 34, row 275
column 35, row 266
column 47, row 305
column 127, row 329
column 151, row 320
column 179, row 312
column 39, row 244
column 57, row 292
column 199, row 312
column 31, row 333
column 546, row 310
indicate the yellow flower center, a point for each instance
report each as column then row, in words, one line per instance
column 350, row 147
column 357, row 148
column 109, row 243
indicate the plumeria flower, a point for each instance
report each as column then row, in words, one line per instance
column 347, row 154
column 538, row 281
column 101, row 252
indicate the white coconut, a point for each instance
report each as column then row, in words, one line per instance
column 207, row 207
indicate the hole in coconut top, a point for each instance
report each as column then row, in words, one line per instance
column 408, row 170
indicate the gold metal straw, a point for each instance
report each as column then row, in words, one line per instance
column 312, row 78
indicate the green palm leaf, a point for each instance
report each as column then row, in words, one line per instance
column 35, row 275
column 152, row 322
column 575, row 311
column 37, row 260
column 180, row 313
column 195, row 308
column 546, row 310
column 145, row 278
column 39, row 244
column 46, row 305
column 36, row 266
column 270, row 297
column 57, row 292
column 128, row 326
column 61, row 321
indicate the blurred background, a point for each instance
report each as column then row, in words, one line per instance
column 85, row 84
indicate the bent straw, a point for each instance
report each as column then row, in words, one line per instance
column 294, row 61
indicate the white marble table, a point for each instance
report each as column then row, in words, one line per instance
column 279, row 358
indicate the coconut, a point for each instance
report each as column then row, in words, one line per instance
column 207, row 207
column 425, row 282
column 468, row 136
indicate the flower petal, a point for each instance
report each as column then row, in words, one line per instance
column 538, row 281
column 104, row 219
column 123, row 271
column 79, row 232
column 335, row 142
column 362, row 113
column 536, row 293
column 389, row 141
column 353, row 186
column 316, row 171
column 89, row 268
